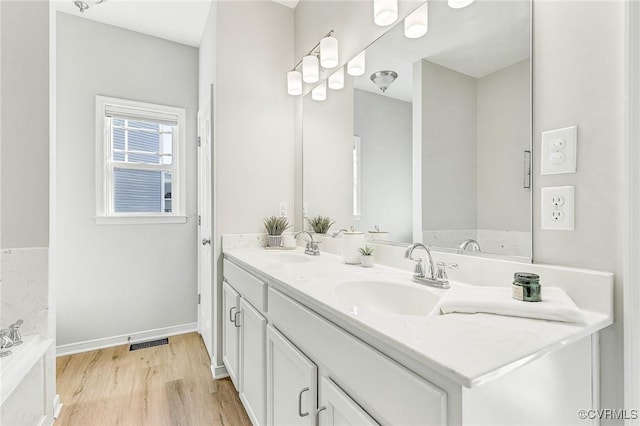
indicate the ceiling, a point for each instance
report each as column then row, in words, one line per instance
column 477, row 40
column 182, row 21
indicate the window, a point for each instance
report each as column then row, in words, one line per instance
column 139, row 162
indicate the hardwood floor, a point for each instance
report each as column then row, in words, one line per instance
column 163, row 385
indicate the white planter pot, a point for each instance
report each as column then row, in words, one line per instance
column 274, row 240
column 366, row 261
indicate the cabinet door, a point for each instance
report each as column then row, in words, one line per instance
column 230, row 331
column 252, row 361
column 291, row 383
column 338, row 409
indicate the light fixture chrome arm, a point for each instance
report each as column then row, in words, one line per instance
column 315, row 51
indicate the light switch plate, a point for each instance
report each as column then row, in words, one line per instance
column 282, row 210
column 558, row 153
column 558, row 208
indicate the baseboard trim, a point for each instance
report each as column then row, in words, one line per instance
column 141, row 336
column 219, row 372
column 57, row 406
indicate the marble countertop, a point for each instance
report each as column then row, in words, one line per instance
column 469, row 349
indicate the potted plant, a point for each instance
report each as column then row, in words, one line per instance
column 275, row 226
column 320, row 224
column 366, row 260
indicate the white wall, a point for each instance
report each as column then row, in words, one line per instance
column 118, row 279
column 246, row 51
column 25, row 125
column 578, row 78
column 384, row 126
column 24, row 173
column 449, row 129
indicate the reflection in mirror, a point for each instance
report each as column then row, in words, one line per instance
column 442, row 153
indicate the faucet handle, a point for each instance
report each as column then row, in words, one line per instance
column 418, row 268
column 441, row 270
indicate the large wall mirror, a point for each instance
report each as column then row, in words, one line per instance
column 441, row 155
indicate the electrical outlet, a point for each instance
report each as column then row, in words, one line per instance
column 282, row 211
column 558, row 208
column 557, row 200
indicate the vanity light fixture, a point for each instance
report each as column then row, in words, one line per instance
column 417, row 23
column 385, row 12
column 384, row 79
column 356, row 66
column 319, row 93
column 336, row 80
column 329, row 52
column 86, row 4
column 294, row 83
column 459, row 4
column 310, row 71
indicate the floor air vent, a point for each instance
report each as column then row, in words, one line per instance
column 149, row 344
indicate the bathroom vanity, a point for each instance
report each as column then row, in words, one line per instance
column 311, row 340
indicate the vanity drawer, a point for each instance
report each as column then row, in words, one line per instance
column 389, row 392
column 249, row 287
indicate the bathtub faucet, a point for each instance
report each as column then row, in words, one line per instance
column 14, row 333
column 5, row 342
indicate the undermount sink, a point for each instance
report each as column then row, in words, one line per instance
column 288, row 257
column 387, row 297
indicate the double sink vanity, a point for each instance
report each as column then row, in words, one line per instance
column 312, row 340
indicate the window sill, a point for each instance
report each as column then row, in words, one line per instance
column 139, row 220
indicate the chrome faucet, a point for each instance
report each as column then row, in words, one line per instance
column 436, row 278
column 14, row 334
column 5, row 342
column 475, row 246
column 335, row 234
column 312, row 246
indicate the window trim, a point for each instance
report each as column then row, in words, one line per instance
column 104, row 178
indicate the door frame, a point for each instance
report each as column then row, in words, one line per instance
column 631, row 214
column 215, row 354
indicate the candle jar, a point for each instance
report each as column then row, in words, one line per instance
column 526, row 287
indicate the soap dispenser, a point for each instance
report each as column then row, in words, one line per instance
column 351, row 242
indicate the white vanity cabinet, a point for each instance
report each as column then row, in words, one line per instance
column 380, row 387
column 252, row 361
column 338, row 409
column 230, row 332
column 291, row 383
column 244, row 338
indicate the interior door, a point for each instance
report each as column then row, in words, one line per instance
column 205, row 236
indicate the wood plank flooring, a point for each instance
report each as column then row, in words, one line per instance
column 163, row 385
